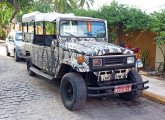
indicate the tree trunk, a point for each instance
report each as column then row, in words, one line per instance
column 114, row 31
column 15, row 13
column 3, row 26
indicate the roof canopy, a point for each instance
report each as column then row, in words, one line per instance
column 40, row 17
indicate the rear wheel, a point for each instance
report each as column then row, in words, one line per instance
column 7, row 52
column 29, row 64
column 16, row 58
column 73, row 91
column 133, row 77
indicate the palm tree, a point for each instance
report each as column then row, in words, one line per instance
column 87, row 2
column 67, row 5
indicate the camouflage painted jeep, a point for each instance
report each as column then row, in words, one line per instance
column 76, row 49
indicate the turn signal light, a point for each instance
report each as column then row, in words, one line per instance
column 137, row 55
column 80, row 59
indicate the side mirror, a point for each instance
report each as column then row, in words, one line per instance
column 56, row 43
column 11, row 40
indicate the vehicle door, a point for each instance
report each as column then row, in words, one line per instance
column 48, row 55
column 11, row 43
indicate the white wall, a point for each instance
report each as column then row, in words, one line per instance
column 159, row 56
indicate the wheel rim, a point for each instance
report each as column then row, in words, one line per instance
column 69, row 91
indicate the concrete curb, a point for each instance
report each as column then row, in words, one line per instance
column 2, row 41
column 154, row 97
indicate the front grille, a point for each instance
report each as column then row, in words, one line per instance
column 113, row 61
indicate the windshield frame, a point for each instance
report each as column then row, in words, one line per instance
column 82, row 21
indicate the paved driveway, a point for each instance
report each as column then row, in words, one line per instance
column 24, row 97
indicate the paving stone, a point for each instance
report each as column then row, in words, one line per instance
column 18, row 100
column 2, row 106
column 16, row 103
column 4, row 116
column 10, row 107
column 11, row 111
column 3, row 96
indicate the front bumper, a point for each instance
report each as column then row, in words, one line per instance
column 111, row 88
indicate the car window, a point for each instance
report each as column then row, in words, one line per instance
column 18, row 37
column 82, row 29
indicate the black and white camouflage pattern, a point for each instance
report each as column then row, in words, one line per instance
column 93, row 48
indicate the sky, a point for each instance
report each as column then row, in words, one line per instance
column 146, row 5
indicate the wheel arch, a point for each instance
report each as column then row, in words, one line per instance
column 27, row 53
column 65, row 69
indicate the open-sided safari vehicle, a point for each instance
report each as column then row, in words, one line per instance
column 76, row 49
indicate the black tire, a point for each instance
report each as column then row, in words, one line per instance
column 16, row 58
column 133, row 77
column 7, row 52
column 29, row 64
column 73, row 91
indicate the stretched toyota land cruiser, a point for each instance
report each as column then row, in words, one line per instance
column 76, row 50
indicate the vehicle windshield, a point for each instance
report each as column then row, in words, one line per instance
column 18, row 37
column 82, row 29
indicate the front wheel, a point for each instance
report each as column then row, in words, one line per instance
column 73, row 91
column 133, row 77
column 16, row 58
column 7, row 52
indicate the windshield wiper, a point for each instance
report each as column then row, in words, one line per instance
column 70, row 34
column 89, row 34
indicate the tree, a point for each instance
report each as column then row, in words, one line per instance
column 63, row 5
column 43, row 6
column 120, row 18
column 18, row 5
column 9, row 9
column 158, row 26
column 82, row 3
column 68, row 5
column 5, row 14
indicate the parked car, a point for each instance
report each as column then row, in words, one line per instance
column 14, row 45
column 79, row 54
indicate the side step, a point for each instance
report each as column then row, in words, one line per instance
column 38, row 72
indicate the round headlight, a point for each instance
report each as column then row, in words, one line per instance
column 97, row 62
column 130, row 60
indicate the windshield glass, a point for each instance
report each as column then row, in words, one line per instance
column 82, row 29
column 18, row 37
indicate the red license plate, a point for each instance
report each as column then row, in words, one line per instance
column 122, row 89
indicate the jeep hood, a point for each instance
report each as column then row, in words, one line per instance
column 92, row 48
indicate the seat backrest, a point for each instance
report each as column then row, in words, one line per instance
column 48, row 39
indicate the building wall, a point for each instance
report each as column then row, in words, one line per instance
column 39, row 29
column 159, row 56
column 144, row 41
